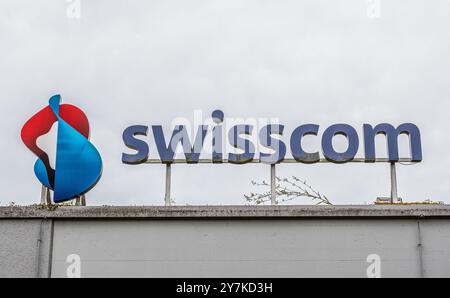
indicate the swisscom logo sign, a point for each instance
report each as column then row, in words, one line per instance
column 78, row 165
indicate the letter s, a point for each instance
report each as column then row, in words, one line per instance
column 133, row 143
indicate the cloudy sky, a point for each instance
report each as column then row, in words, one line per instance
column 148, row 62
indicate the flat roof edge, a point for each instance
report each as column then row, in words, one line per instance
column 226, row 212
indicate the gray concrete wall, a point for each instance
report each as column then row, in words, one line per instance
column 25, row 247
column 251, row 248
column 226, row 241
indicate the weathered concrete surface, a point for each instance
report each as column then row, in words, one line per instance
column 232, row 248
column 370, row 211
column 25, row 248
column 226, row 241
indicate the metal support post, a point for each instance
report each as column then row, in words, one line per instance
column 168, row 184
column 394, row 193
column 273, row 183
column 45, row 196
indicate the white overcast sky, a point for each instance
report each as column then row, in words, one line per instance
column 302, row 61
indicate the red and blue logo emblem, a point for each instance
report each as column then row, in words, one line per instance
column 78, row 165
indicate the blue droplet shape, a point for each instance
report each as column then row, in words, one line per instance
column 78, row 163
column 41, row 173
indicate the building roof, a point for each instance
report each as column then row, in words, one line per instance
column 226, row 212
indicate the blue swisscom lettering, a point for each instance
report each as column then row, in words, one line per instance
column 269, row 136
